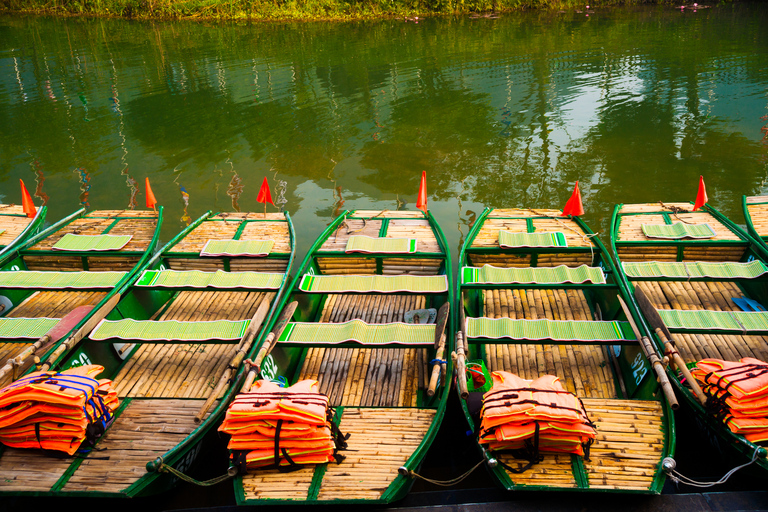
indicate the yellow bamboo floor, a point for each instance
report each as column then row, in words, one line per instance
column 384, row 377
column 140, row 224
column 13, row 226
column 758, row 213
column 625, row 455
column 49, row 304
column 29, row 470
column 715, row 296
column 225, row 225
column 582, row 368
column 381, row 440
column 172, row 370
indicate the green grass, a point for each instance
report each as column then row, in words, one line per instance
column 289, row 9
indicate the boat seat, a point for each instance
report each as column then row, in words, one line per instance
column 33, row 328
column 725, row 322
column 535, row 331
column 252, row 248
column 512, row 240
column 561, row 274
column 685, row 270
column 170, row 330
column 30, row 279
column 678, row 230
column 218, row 280
column 367, row 244
column 373, row 284
column 72, row 242
column 357, row 332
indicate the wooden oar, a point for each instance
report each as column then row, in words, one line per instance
column 440, row 323
column 82, row 332
column 242, row 349
column 461, row 355
column 665, row 336
column 653, row 357
column 269, row 344
column 66, row 324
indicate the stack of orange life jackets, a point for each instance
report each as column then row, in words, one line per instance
column 276, row 427
column 56, row 410
column 737, row 394
column 534, row 416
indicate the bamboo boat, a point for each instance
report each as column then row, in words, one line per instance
column 553, row 270
column 377, row 377
column 755, row 210
column 16, row 227
column 700, row 277
column 169, row 346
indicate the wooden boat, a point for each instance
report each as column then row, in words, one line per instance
column 38, row 281
column 554, row 271
column 701, row 277
column 15, row 226
column 376, row 380
column 756, row 214
column 165, row 348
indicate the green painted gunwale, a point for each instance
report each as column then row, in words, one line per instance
column 400, row 485
column 29, row 231
column 647, row 389
column 762, row 241
column 736, row 445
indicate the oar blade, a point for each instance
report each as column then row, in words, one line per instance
column 650, row 313
column 441, row 322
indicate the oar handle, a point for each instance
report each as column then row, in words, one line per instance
column 461, row 366
column 17, row 361
column 437, row 368
column 670, row 349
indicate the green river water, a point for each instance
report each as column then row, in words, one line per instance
column 635, row 104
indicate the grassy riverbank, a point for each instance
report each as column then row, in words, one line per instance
column 292, row 9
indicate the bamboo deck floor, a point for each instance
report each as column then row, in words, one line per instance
column 30, row 470
column 381, row 440
column 13, row 221
column 630, row 230
column 758, row 212
column 714, row 296
column 625, row 455
column 384, row 377
column 189, row 370
column 582, row 368
column 48, row 304
column 140, row 224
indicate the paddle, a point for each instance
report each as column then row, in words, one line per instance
column 461, row 356
column 269, row 344
column 440, row 323
column 665, row 336
column 66, row 324
column 82, row 332
column 242, row 348
column 653, row 357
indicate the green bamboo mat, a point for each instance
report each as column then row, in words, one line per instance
column 59, row 280
column 367, row 244
column 360, row 332
column 488, row 274
column 170, row 330
column 744, row 321
column 34, row 328
column 678, row 230
column 688, row 269
column 71, row 242
column 253, row 248
column 545, row 329
column 510, row 240
column 217, row 279
column 377, row 283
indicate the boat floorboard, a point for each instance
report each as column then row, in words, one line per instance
column 625, row 455
column 381, row 440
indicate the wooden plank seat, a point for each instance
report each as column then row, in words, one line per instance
column 29, row 279
column 625, row 455
column 381, row 440
column 373, row 284
column 488, row 274
column 687, row 270
column 566, row 331
column 218, row 280
column 169, row 330
column 359, row 332
column 732, row 322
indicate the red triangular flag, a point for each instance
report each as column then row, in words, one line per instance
column 264, row 195
column 26, row 201
column 151, row 201
column 573, row 206
column 701, row 196
column 421, row 199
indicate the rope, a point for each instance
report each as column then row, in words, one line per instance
column 674, row 210
column 585, row 237
column 446, row 483
column 164, row 468
column 677, row 477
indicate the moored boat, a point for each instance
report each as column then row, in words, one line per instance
column 541, row 298
column 372, row 298
column 755, row 210
column 16, row 226
column 702, row 280
column 172, row 347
